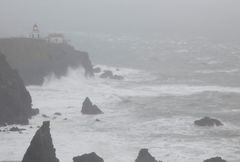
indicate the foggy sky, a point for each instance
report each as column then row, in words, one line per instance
column 213, row 18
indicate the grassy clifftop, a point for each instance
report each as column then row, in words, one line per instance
column 35, row 58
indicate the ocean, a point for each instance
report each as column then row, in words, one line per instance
column 168, row 84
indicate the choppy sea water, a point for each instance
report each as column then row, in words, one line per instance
column 153, row 108
column 138, row 113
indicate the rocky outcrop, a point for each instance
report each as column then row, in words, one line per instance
column 92, row 157
column 35, row 58
column 109, row 74
column 89, row 108
column 16, row 129
column 206, row 121
column 15, row 100
column 41, row 148
column 215, row 159
column 145, row 156
column 97, row 70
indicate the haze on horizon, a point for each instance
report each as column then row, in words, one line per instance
column 218, row 19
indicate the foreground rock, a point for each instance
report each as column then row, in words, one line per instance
column 145, row 156
column 215, row 159
column 41, row 148
column 206, row 121
column 92, row 157
column 36, row 58
column 15, row 100
column 89, row 108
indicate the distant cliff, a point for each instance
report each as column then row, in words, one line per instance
column 15, row 100
column 35, row 58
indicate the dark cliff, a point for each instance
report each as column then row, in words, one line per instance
column 35, row 58
column 15, row 100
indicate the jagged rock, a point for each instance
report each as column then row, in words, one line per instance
column 215, row 159
column 92, row 157
column 107, row 74
column 145, row 156
column 89, row 108
column 40, row 58
column 16, row 129
column 15, row 100
column 206, row 121
column 41, row 148
column 97, row 70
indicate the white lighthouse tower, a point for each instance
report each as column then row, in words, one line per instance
column 35, row 32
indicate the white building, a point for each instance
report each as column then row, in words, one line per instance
column 56, row 38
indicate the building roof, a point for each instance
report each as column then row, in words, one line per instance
column 55, row 35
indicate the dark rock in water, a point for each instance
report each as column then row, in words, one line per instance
column 16, row 129
column 89, row 108
column 41, row 148
column 97, row 120
column 15, row 100
column 92, row 157
column 107, row 74
column 215, row 159
column 145, row 156
column 118, row 77
column 97, row 70
column 40, row 58
column 45, row 116
column 57, row 113
column 206, row 121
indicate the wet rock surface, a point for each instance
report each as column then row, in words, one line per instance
column 145, row 156
column 41, row 148
column 109, row 74
column 215, row 159
column 92, row 157
column 206, row 121
column 89, row 108
column 15, row 100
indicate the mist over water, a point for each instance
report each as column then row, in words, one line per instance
column 180, row 60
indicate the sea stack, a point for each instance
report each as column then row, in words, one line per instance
column 145, row 156
column 89, row 108
column 215, row 159
column 92, row 157
column 15, row 100
column 206, row 121
column 41, row 148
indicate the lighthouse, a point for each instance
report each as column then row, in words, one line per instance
column 35, row 32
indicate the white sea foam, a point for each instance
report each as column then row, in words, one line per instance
column 120, row 133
